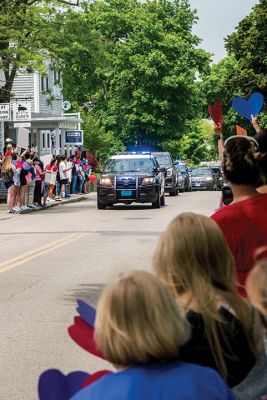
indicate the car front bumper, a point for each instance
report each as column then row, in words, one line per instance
column 143, row 194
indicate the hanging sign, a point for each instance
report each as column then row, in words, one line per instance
column 4, row 112
column 22, row 111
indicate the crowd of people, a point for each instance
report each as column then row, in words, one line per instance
column 195, row 328
column 31, row 184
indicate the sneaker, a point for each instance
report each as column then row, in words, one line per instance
column 16, row 209
column 23, row 208
column 58, row 199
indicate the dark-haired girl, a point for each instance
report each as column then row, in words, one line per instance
column 244, row 221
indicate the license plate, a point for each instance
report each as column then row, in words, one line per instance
column 197, row 184
column 126, row 192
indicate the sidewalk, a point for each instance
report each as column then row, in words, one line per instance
column 73, row 199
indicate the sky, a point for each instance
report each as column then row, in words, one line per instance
column 217, row 19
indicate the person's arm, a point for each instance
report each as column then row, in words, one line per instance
column 255, row 124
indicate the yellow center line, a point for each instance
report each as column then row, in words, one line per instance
column 30, row 255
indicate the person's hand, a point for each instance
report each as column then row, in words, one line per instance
column 255, row 123
column 254, row 120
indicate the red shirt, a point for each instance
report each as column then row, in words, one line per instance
column 52, row 168
column 244, row 225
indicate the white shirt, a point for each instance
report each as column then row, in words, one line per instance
column 63, row 174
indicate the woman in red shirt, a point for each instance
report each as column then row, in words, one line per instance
column 244, row 221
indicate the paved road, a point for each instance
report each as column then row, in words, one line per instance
column 51, row 258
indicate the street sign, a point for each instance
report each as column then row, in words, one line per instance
column 74, row 137
column 22, row 124
column 22, row 111
column 4, row 112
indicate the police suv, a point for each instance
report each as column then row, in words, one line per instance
column 131, row 178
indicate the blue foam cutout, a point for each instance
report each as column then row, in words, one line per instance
column 87, row 312
column 54, row 385
column 247, row 107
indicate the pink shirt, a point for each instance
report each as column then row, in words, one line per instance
column 38, row 170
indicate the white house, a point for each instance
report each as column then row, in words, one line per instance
column 48, row 122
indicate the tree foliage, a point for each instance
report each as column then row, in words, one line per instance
column 197, row 144
column 28, row 36
column 147, row 87
column 101, row 142
column 243, row 71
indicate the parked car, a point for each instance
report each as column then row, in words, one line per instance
column 171, row 180
column 203, row 178
column 131, row 178
column 184, row 177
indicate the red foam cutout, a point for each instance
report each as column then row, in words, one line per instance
column 216, row 112
column 83, row 335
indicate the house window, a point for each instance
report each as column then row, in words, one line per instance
column 44, row 83
column 43, row 140
column 48, row 140
column 57, row 77
column 60, row 141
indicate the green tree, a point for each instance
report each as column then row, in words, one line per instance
column 97, row 139
column 147, row 85
column 248, row 44
column 198, row 143
column 28, row 36
column 243, row 71
column 153, row 87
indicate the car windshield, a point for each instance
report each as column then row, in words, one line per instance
column 164, row 160
column 201, row 171
column 129, row 165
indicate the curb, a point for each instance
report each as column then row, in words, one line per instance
column 58, row 203
column 75, row 199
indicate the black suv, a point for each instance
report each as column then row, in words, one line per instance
column 131, row 178
column 171, row 180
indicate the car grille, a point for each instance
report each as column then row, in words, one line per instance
column 126, row 183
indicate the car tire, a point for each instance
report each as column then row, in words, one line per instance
column 162, row 200
column 176, row 191
column 157, row 203
column 101, row 206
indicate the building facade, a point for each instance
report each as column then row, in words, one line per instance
column 47, row 125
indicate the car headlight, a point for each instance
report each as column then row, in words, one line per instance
column 105, row 182
column 148, row 181
column 209, row 178
column 169, row 172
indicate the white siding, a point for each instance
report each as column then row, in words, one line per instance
column 55, row 108
column 23, row 87
column 29, row 86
